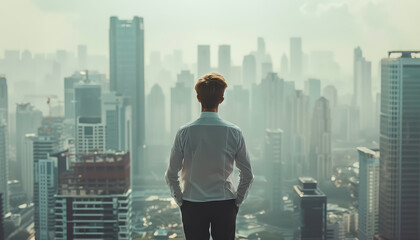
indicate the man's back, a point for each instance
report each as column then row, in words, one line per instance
column 209, row 146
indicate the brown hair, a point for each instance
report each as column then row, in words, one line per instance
column 210, row 89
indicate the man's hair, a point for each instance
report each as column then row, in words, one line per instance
column 210, row 89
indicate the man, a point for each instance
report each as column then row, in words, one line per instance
column 205, row 151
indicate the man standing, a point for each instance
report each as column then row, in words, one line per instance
column 205, row 151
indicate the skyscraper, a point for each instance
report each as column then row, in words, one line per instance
column 224, row 61
column 155, row 118
column 114, row 109
column 87, row 100
column 310, row 205
column 126, row 41
column 249, row 70
column 273, row 88
column 399, row 191
column 330, row 93
column 28, row 166
column 284, row 66
column 3, row 168
column 69, row 84
column 275, row 168
column 1, row 216
column 296, row 59
column 90, row 136
column 28, row 120
column 236, row 107
column 312, row 90
column 94, row 199
column 186, row 77
column 320, row 160
column 362, row 96
column 368, row 193
column 180, row 107
column 203, row 60
column 4, row 107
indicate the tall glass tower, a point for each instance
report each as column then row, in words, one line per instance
column 399, row 191
column 126, row 50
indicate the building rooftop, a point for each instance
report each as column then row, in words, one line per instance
column 405, row 53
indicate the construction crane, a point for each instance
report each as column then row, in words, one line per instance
column 48, row 97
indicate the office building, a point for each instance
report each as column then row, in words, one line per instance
column 249, row 71
column 87, row 100
column 28, row 120
column 4, row 107
column 27, row 167
column 296, row 59
column 44, row 180
column 266, row 68
column 368, row 193
column 94, row 199
column 126, row 42
column 274, row 169
column 4, row 167
column 273, row 88
column 399, row 190
column 330, row 93
column 180, row 107
column 362, row 88
column 224, row 61
column 284, row 66
column 310, row 206
column 156, row 117
column 312, row 90
column 203, row 60
column 186, row 77
column 69, row 101
column 236, row 107
column 90, row 136
column 320, row 160
column 1, row 217
column 114, row 110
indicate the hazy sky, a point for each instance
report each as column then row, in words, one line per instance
column 337, row 25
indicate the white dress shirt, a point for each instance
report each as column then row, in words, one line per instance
column 204, row 151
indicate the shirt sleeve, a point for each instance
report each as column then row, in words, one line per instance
column 175, row 165
column 246, row 176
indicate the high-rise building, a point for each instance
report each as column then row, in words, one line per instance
column 236, row 107
column 180, row 107
column 4, row 107
column 28, row 166
column 203, row 60
column 368, row 193
column 1, row 216
column 186, row 77
column 126, row 41
column 330, row 93
column 114, row 110
column 284, row 66
column 45, row 178
column 274, row 168
column 90, row 136
column 399, row 191
column 3, row 167
column 82, row 56
column 155, row 118
column 266, row 68
column 94, row 199
column 224, row 61
column 296, row 59
column 312, row 90
column 28, row 120
column 273, row 100
column 362, row 93
column 320, row 160
column 69, row 84
column 44, row 188
column 87, row 100
column 310, row 205
column 249, row 71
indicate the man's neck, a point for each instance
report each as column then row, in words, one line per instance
column 209, row 110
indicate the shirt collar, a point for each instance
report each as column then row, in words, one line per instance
column 209, row 115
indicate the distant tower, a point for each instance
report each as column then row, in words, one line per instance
column 310, row 209
column 284, row 65
column 330, row 93
column 28, row 166
column 4, row 107
column 296, row 59
column 28, row 120
column 180, row 107
column 236, row 107
column 399, row 191
column 224, row 63
column 69, row 84
column 274, row 168
column 273, row 100
column 203, row 60
column 266, row 68
column 186, row 77
column 249, row 70
column 362, row 97
column 126, row 42
column 320, row 160
column 82, row 56
column 312, row 90
column 368, row 193
column 3, row 170
column 156, row 117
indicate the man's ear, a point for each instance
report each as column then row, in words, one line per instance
column 221, row 100
column 198, row 98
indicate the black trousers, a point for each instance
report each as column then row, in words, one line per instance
column 198, row 217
